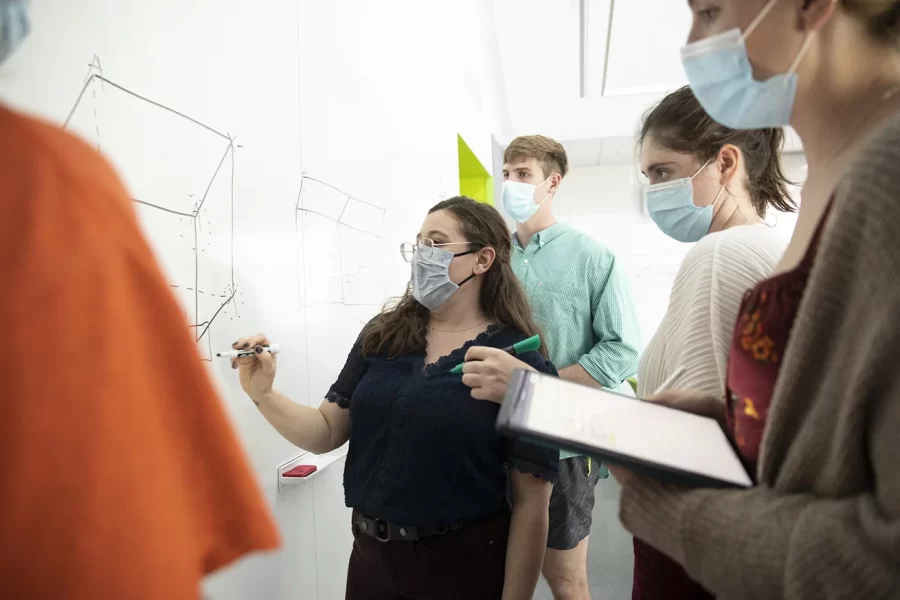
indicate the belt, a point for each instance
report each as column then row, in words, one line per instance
column 385, row 531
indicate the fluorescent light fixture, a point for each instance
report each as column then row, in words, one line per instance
column 609, row 28
column 582, row 47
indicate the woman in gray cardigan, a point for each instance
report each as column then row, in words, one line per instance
column 818, row 417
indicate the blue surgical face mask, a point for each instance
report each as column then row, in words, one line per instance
column 719, row 73
column 517, row 199
column 14, row 25
column 671, row 206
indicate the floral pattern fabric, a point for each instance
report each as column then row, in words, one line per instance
column 760, row 338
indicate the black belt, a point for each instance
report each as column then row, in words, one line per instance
column 384, row 531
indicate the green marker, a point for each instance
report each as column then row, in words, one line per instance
column 529, row 345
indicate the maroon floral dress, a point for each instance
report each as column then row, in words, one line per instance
column 760, row 337
column 764, row 325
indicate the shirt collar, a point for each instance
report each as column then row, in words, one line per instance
column 545, row 236
column 551, row 233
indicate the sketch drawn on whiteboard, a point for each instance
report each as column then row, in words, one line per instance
column 337, row 235
column 180, row 173
column 339, row 258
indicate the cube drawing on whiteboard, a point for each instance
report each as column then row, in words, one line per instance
column 180, row 174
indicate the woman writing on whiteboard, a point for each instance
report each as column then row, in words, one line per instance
column 711, row 185
column 812, row 385
column 426, row 474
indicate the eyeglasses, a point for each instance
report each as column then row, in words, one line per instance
column 424, row 247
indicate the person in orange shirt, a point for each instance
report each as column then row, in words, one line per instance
column 121, row 475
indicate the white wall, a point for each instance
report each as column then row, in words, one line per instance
column 605, row 202
column 607, row 189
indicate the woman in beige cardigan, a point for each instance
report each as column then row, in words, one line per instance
column 818, row 417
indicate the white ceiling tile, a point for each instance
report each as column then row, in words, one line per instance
column 583, row 153
column 618, row 150
column 644, row 49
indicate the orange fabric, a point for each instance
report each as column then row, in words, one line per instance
column 121, row 475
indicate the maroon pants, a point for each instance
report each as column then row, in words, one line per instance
column 466, row 564
column 658, row 577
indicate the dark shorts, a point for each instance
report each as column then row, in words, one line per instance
column 572, row 501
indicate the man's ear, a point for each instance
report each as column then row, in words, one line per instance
column 555, row 181
column 486, row 257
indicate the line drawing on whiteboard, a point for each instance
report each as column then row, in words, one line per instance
column 339, row 260
column 180, row 172
column 336, row 236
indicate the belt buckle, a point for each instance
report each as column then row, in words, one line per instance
column 379, row 525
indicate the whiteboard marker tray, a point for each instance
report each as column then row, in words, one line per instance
column 321, row 462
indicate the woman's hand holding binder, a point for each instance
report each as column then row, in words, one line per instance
column 692, row 402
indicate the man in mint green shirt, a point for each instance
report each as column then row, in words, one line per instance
column 583, row 302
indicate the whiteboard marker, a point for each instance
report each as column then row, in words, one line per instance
column 248, row 352
column 531, row 344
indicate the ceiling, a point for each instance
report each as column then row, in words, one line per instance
column 588, row 152
column 585, row 71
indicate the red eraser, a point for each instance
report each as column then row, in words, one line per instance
column 300, row 471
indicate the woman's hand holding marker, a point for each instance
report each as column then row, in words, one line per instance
column 487, row 372
column 257, row 371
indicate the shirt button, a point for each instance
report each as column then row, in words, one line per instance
column 526, row 261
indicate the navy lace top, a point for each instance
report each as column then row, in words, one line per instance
column 422, row 450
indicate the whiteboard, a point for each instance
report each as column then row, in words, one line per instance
column 278, row 153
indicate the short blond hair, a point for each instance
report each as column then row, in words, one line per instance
column 549, row 153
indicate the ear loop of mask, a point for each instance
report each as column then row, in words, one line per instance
column 706, row 164
column 755, row 23
column 762, row 15
column 541, row 203
column 722, row 189
column 465, row 280
column 459, row 285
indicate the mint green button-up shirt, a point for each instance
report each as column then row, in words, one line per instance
column 582, row 301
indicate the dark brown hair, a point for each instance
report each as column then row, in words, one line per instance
column 550, row 154
column 679, row 123
column 400, row 329
column 881, row 17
